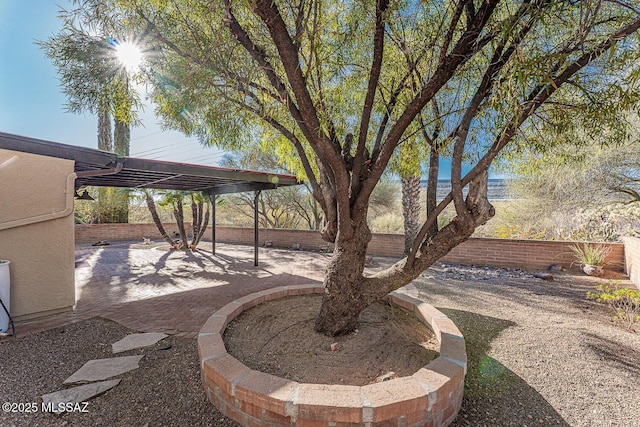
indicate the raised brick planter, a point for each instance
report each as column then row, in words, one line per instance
column 430, row 397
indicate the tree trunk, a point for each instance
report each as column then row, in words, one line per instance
column 204, row 227
column 432, row 188
column 196, row 220
column 105, row 143
column 105, row 140
column 410, row 209
column 348, row 292
column 178, row 212
column 156, row 219
column 122, row 136
column 343, row 298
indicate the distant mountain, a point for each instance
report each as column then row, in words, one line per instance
column 497, row 188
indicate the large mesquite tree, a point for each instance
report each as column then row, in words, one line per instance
column 339, row 87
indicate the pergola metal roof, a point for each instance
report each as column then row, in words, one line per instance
column 105, row 169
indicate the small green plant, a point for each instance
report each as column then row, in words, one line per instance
column 624, row 302
column 591, row 253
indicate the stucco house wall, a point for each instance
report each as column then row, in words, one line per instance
column 632, row 258
column 36, row 232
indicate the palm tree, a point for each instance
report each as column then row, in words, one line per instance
column 94, row 81
column 176, row 200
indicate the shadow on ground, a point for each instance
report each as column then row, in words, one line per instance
column 154, row 289
column 490, row 386
column 613, row 354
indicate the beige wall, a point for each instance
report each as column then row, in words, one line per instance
column 632, row 258
column 33, row 191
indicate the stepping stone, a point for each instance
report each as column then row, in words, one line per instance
column 77, row 394
column 137, row 341
column 101, row 369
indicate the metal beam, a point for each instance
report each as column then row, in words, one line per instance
column 155, row 183
column 242, row 187
column 91, row 166
column 208, row 172
column 96, row 158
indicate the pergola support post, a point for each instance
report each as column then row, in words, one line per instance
column 256, row 197
column 212, row 195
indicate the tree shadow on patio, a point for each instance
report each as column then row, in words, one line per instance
column 493, row 392
column 174, row 291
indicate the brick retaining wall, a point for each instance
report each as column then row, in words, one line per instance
column 430, row 397
column 90, row 233
column 525, row 254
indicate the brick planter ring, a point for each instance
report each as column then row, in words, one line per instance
column 430, row 397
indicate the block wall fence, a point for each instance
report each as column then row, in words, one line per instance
column 524, row 254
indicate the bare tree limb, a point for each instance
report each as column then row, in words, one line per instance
column 372, row 86
column 465, row 49
column 328, row 153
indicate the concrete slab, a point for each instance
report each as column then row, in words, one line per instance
column 137, row 341
column 58, row 400
column 101, row 369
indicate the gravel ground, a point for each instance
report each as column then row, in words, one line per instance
column 164, row 391
column 540, row 354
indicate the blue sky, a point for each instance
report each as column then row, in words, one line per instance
column 32, row 102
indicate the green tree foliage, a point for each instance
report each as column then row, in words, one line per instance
column 624, row 302
column 286, row 207
column 110, row 205
column 94, row 80
column 84, row 53
column 344, row 85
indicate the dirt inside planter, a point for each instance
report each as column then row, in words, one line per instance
column 277, row 337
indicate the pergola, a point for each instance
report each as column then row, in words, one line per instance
column 105, row 169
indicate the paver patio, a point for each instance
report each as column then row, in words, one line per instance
column 150, row 289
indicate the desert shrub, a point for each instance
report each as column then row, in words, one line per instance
column 560, row 199
column 110, row 205
column 390, row 223
column 624, row 302
column 591, row 253
column 508, row 223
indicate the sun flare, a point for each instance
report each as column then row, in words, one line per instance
column 129, row 55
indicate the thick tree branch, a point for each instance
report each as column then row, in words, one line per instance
column 270, row 15
column 372, row 86
column 465, row 49
column 541, row 94
column 390, row 106
column 500, row 58
column 260, row 57
column 534, row 100
column 328, row 153
column 297, row 144
column 448, row 38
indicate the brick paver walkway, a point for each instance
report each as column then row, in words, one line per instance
column 154, row 290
